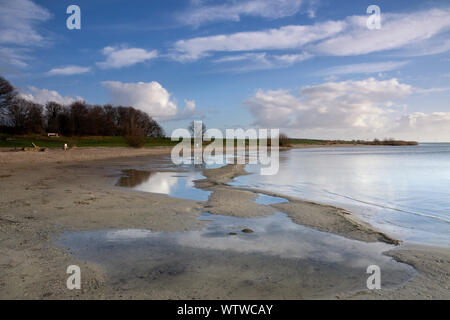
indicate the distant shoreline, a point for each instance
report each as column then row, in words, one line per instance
column 42, row 141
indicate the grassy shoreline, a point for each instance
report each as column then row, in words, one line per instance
column 26, row 141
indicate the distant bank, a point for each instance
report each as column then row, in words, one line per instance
column 27, row 141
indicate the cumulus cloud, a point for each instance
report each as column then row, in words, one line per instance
column 348, row 110
column 346, row 37
column 150, row 97
column 201, row 12
column 42, row 96
column 338, row 105
column 125, row 57
column 332, row 105
column 68, row 70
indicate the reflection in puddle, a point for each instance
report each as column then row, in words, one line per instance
column 174, row 184
column 280, row 259
column 267, row 200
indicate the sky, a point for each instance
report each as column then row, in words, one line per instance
column 312, row 68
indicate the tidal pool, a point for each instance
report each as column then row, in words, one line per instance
column 178, row 184
column 279, row 259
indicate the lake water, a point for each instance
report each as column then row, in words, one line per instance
column 402, row 190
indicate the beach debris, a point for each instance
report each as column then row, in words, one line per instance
column 247, row 230
column 34, row 148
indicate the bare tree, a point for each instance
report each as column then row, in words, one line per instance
column 7, row 95
column 34, row 118
column 79, row 117
column 195, row 132
column 52, row 113
column 17, row 114
column 110, row 124
column 25, row 116
column 155, row 130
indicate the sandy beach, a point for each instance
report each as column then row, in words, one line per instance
column 45, row 194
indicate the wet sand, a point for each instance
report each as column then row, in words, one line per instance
column 53, row 193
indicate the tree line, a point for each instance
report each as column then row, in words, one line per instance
column 21, row 116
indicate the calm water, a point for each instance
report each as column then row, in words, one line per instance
column 173, row 183
column 402, row 190
column 278, row 258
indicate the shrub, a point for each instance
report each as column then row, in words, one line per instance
column 72, row 143
column 135, row 141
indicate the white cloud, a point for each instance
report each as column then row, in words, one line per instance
column 189, row 105
column 292, row 58
column 12, row 57
column 347, row 106
column 374, row 67
column 149, row 97
column 125, row 57
column 201, row 13
column 347, row 37
column 42, row 96
column 397, row 31
column 432, row 90
column 260, row 61
column 436, row 45
column 363, row 109
column 287, row 37
column 69, row 70
column 19, row 20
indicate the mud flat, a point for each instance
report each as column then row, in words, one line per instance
column 58, row 209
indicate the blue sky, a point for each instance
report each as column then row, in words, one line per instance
column 309, row 67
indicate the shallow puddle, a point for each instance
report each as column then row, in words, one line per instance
column 269, row 257
column 174, row 184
